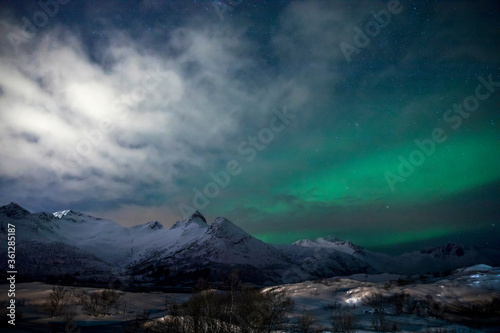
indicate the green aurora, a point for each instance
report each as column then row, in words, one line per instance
column 183, row 89
column 458, row 165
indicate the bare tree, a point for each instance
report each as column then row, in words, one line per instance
column 249, row 311
column 137, row 324
column 305, row 323
column 234, row 284
column 277, row 306
column 381, row 324
column 57, row 301
column 342, row 320
column 98, row 303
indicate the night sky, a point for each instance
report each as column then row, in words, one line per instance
column 372, row 121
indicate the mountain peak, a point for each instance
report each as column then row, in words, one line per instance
column 452, row 249
column 332, row 243
column 222, row 222
column 195, row 218
column 197, row 215
column 223, row 228
column 14, row 211
column 152, row 225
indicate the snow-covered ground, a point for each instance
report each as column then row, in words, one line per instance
column 464, row 287
column 472, row 285
column 32, row 295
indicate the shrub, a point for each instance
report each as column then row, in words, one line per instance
column 240, row 309
column 479, row 310
column 381, row 324
column 276, row 306
column 404, row 282
column 332, row 306
column 402, row 303
column 376, row 300
column 305, row 323
column 342, row 321
column 137, row 325
column 57, row 302
column 97, row 303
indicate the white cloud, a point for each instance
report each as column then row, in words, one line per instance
column 163, row 111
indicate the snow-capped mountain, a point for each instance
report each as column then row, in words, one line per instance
column 197, row 247
column 71, row 243
column 428, row 260
column 331, row 243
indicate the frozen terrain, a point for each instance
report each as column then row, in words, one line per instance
column 455, row 303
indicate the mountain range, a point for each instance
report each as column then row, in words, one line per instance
column 69, row 246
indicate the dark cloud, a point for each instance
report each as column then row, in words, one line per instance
column 116, row 108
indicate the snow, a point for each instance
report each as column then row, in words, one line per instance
column 61, row 213
column 476, row 268
column 436, row 259
column 35, row 293
column 192, row 243
column 316, row 298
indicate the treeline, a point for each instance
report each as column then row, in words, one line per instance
column 246, row 310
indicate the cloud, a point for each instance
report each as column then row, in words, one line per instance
column 130, row 123
column 113, row 109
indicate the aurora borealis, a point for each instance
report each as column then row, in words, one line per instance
column 129, row 110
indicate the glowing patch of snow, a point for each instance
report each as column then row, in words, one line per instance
column 61, row 213
column 353, row 300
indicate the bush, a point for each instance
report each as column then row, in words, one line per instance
column 332, row 306
column 376, row 300
column 476, row 311
column 381, row 324
column 274, row 309
column 305, row 323
column 249, row 311
column 403, row 303
column 342, row 321
column 245, row 311
column 240, row 309
column 434, row 308
column 57, row 302
column 97, row 303
column 324, row 282
column 404, row 282
column 137, row 325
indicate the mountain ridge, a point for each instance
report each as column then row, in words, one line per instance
column 192, row 248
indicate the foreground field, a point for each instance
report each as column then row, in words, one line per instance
column 465, row 301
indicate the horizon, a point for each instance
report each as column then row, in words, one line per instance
column 375, row 122
column 388, row 249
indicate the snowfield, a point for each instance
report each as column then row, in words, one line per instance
column 319, row 299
